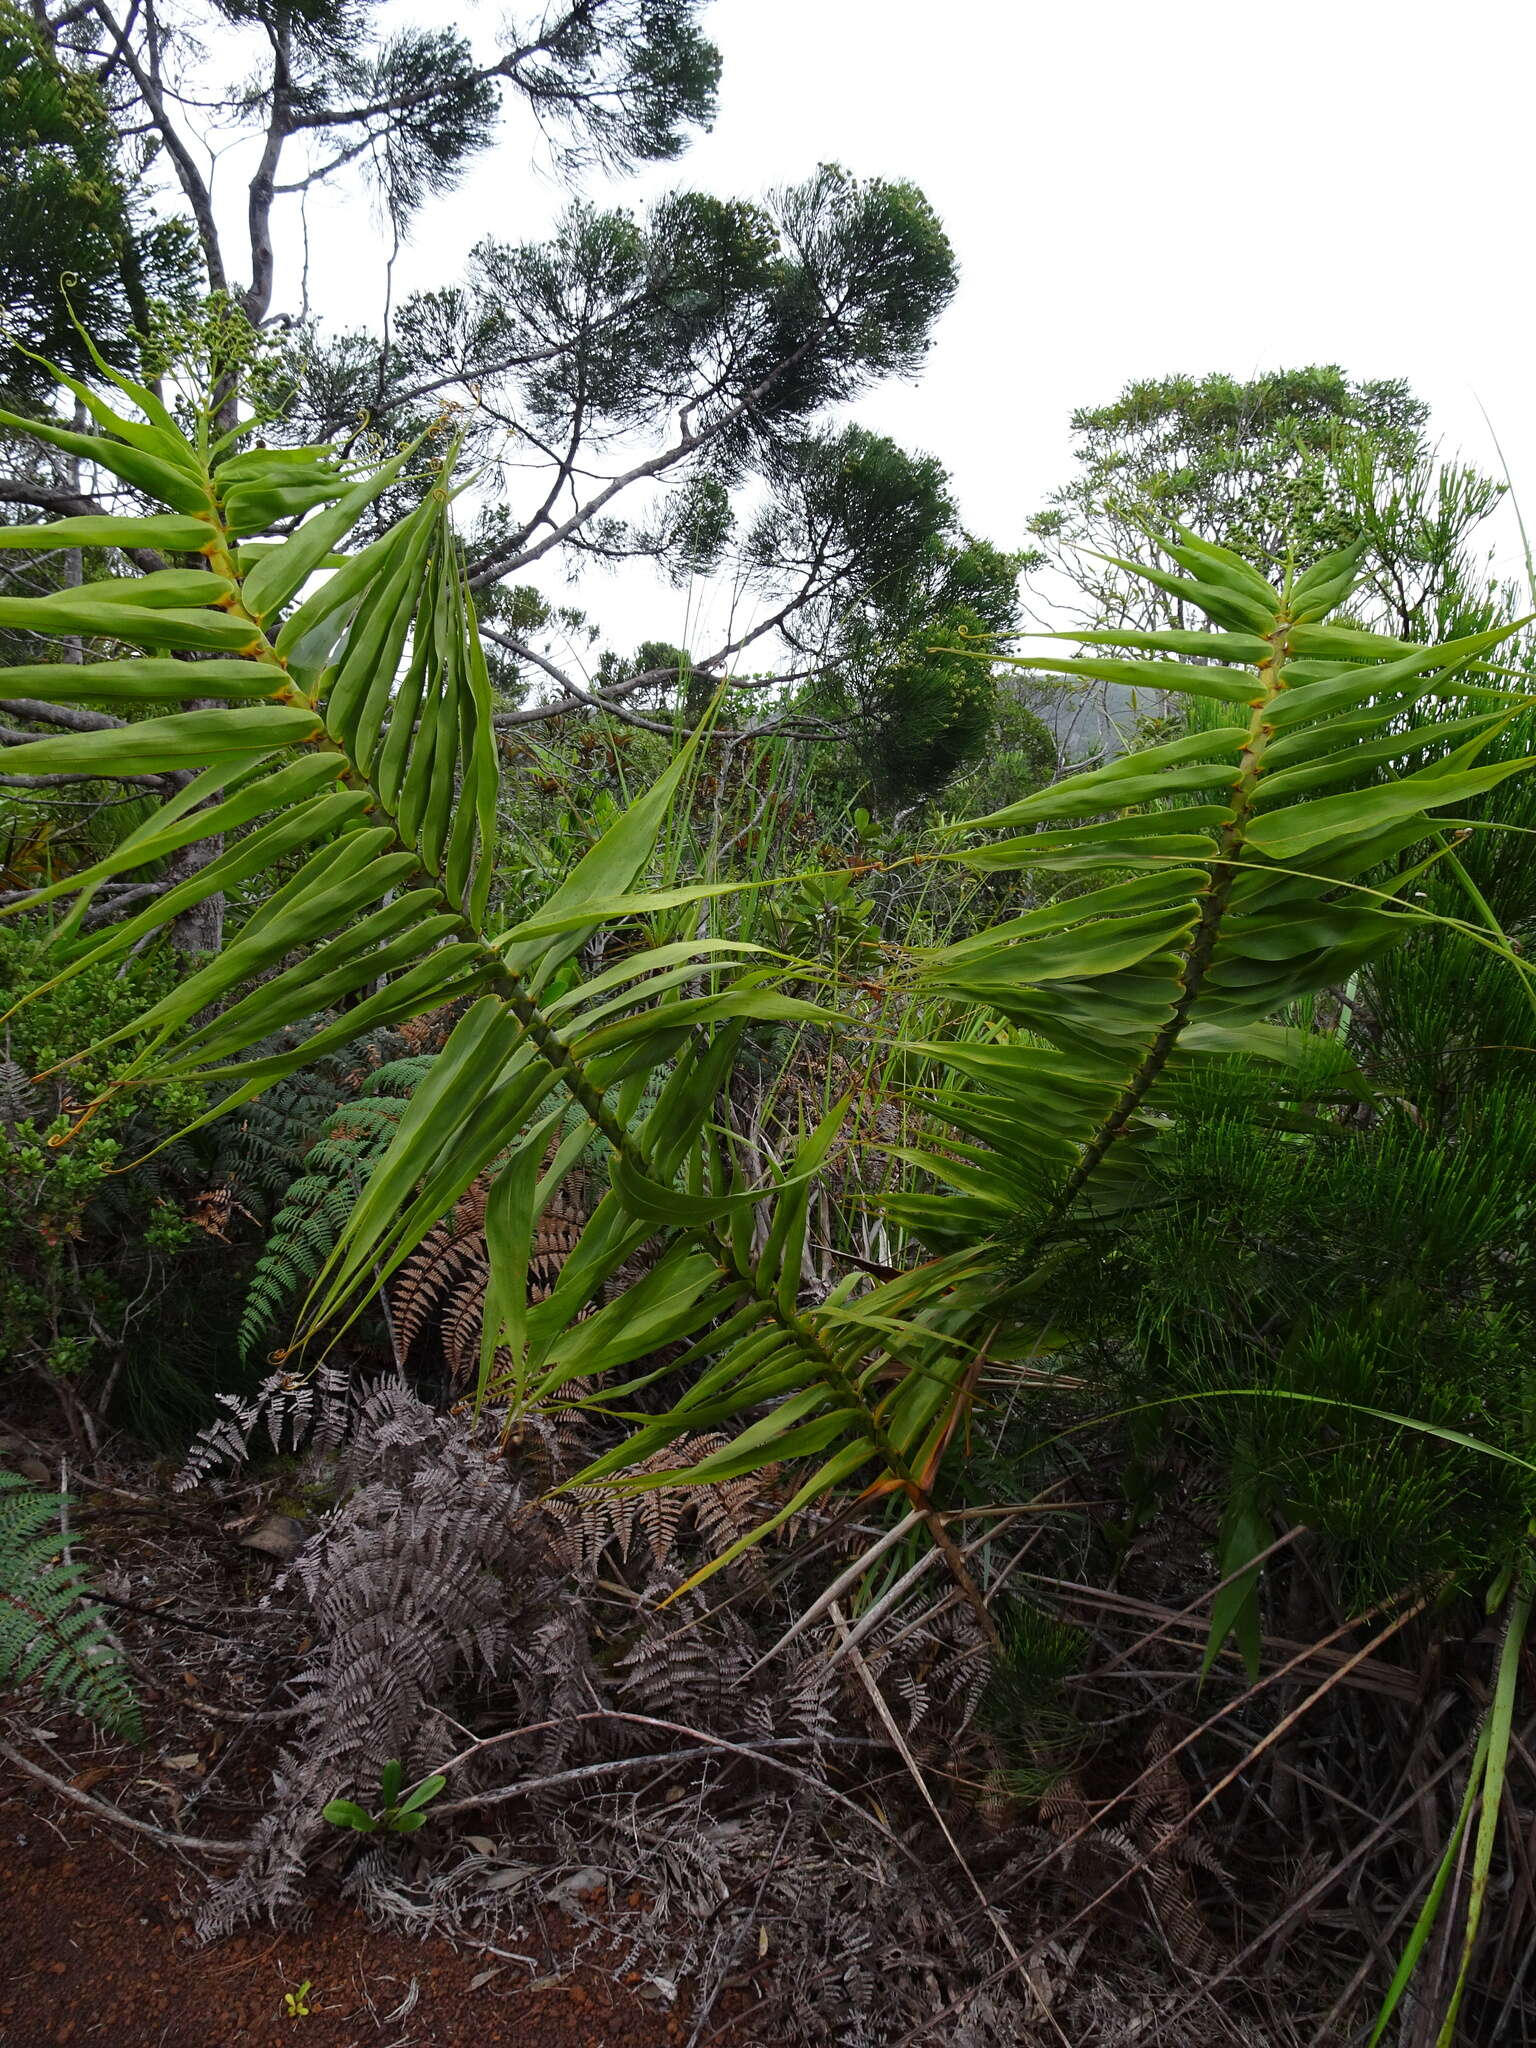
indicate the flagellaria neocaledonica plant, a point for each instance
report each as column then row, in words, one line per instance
column 1219, row 878
column 320, row 716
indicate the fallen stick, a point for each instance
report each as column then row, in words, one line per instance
column 197, row 1843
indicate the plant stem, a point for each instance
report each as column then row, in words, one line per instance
column 1217, row 895
column 1501, row 1715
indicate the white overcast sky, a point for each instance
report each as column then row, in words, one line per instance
column 1131, row 190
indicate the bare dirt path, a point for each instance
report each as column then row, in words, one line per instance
column 97, row 1949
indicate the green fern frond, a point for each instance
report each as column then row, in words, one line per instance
column 52, row 1634
column 265, row 1144
column 337, row 1155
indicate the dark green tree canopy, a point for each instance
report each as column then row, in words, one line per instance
column 681, row 361
column 743, row 318
column 1293, row 463
column 615, row 81
column 60, row 204
column 612, row 81
column 887, row 658
column 73, row 240
column 1253, row 459
column 646, row 384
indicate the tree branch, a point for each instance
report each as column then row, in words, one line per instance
column 257, row 297
column 114, row 890
column 610, row 702
column 72, row 505
column 504, row 561
column 99, row 1807
column 576, row 698
column 188, row 175
column 323, row 171
column 72, row 717
column 114, row 906
column 149, row 782
column 581, row 12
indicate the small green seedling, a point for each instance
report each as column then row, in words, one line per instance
column 396, row 1816
column 297, row 2002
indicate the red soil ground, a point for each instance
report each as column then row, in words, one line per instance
column 97, row 1949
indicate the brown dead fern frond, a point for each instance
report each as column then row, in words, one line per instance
column 595, row 1519
column 440, row 1288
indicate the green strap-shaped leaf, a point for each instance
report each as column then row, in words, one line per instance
column 1360, row 758
column 166, row 532
column 472, row 853
column 1224, row 648
column 445, row 721
column 1143, row 841
column 1143, row 892
column 783, row 1252
column 1229, row 602
column 511, row 1213
column 337, row 884
column 252, row 508
column 1101, row 946
column 1327, row 584
column 1130, row 779
column 259, row 465
column 161, row 591
column 278, row 575
column 209, row 632
column 657, row 985
column 647, row 965
column 156, row 745
column 152, row 407
column 359, row 698
column 477, row 1050
column 378, row 945
column 1347, row 643
column 1223, row 566
column 1286, row 834
column 1225, row 685
column 255, row 854
column 170, row 829
column 488, row 1122
column 1235, row 1608
column 609, row 870
column 824, row 1481
column 680, row 1295
column 1418, row 672
column 143, row 680
column 165, row 481
column 165, row 442
column 452, row 973
column 767, row 1005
